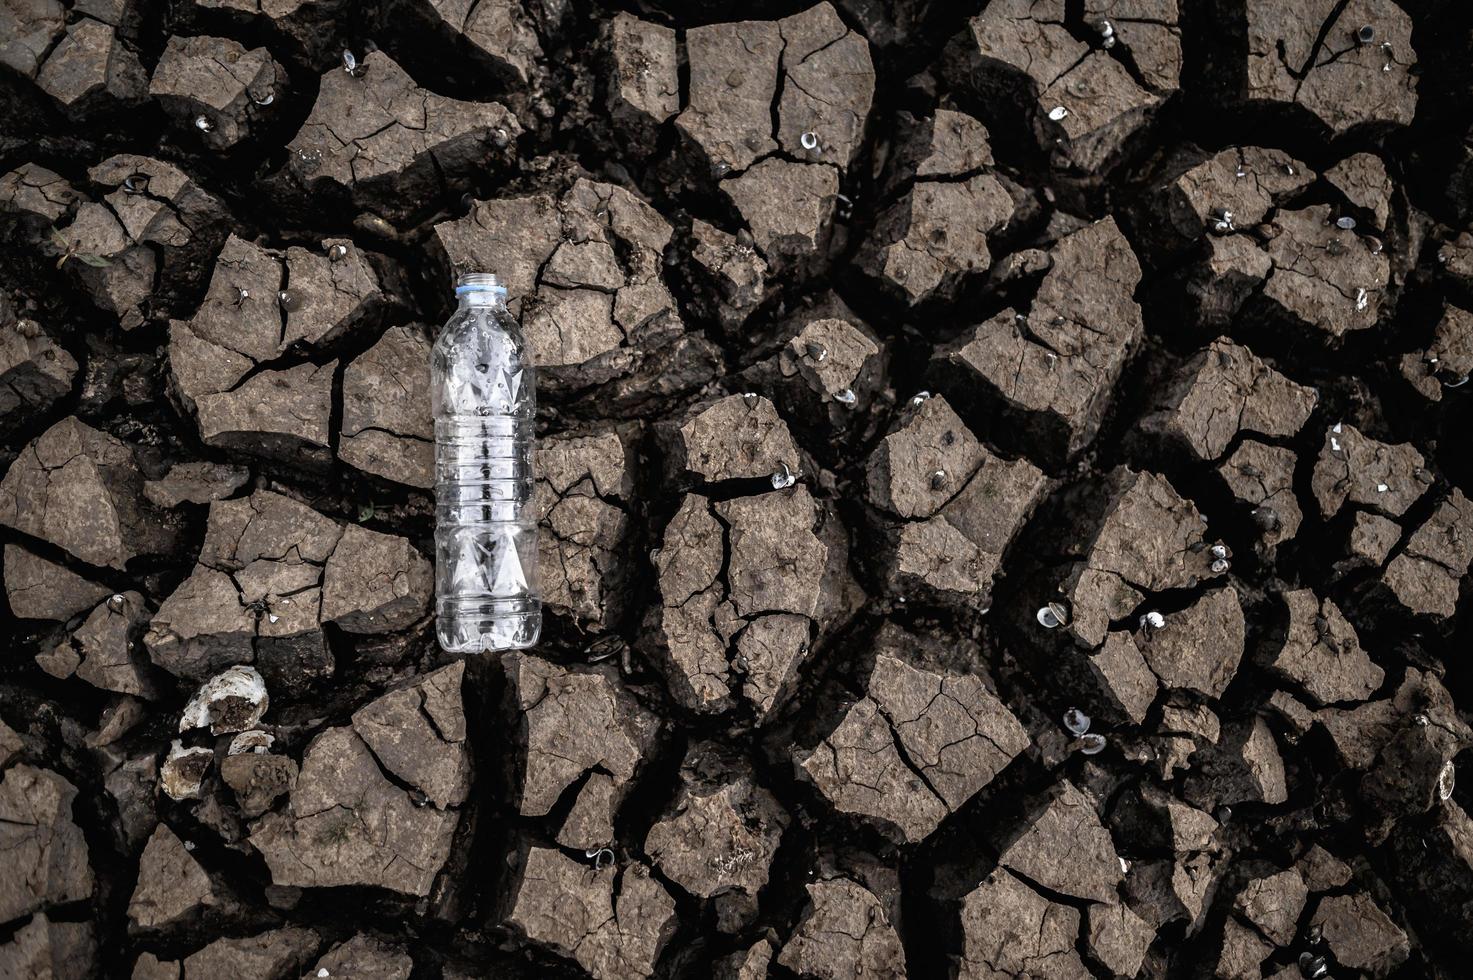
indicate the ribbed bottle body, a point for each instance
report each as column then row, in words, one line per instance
column 484, row 401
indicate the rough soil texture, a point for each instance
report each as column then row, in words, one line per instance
column 1003, row 480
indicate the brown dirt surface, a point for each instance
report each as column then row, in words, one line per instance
column 1001, row 475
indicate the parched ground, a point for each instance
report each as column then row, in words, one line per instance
column 1003, row 474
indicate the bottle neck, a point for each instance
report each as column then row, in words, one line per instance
column 479, row 289
column 481, row 299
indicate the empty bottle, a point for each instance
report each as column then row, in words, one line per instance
column 484, row 402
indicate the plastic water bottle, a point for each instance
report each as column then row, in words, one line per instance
column 484, row 399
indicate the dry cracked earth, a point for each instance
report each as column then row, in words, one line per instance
column 1003, row 480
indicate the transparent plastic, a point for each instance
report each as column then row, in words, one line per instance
column 483, row 393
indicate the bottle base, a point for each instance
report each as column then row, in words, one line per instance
column 487, row 626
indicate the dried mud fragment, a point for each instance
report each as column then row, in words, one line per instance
column 574, row 722
column 46, row 856
column 29, row 30
column 719, row 836
column 1241, row 952
column 195, row 483
column 255, row 595
column 387, row 429
column 789, row 208
column 499, row 33
column 1361, row 936
column 113, row 659
column 1362, row 178
column 1010, row 930
column 276, row 414
column 728, row 438
column 1322, row 653
column 364, row 958
column 92, row 69
column 42, row 949
column 732, row 272
column 1063, row 846
column 217, row 80
column 1199, row 648
column 644, row 84
column 733, row 79
column 275, row 954
column 80, row 489
column 34, row 370
column 935, row 235
column 752, row 963
column 1342, row 83
column 1262, row 476
column 348, row 824
column 1148, row 32
column 1118, row 938
column 1231, row 272
column 582, row 499
column 928, row 454
column 41, row 589
column 590, row 823
column 1324, row 278
column 258, row 780
column 1371, row 539
column 1149, row 540
column 916, row 748
column 844, row 931
column 828, row 360
column 784, row 575
column 613, row 922
column 375, row 583
column 584, row 272
column 1239, row 186
column 1220, row 392
column 1083, row 104
column 1425, row 577
column 11, row 744
column 1245, row 767
column 418, row 734
column 37, row 196
column 1273, row 903
column 390, row 144
column 1048, row 375
column 1447, row 361
column 172, row 887
column 1354, row 468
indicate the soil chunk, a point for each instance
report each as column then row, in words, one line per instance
column 1356, row 469
column 1200, row 647
column 644, row 89
column 1322, row 653
column 583, row 500
column 718, row 840
column 1063, row 846
column 387, row 429
column 277, row 953
column 46, row 855
column 41, row 589
column 34, row 371
column 43, row 948
column 195, row 483
column 1360, row 935
column 1118, row 937
column 613, row 922
column 1424, row 577
column 81, row 489
column 917, row 747
column 217, row 80
column 375, row 583
column 1222, row 391
column 347, row 823
column 172, row 887
column 575, row 722
column 730, row 438
column 1342, row 82
column 388, row 143
column 844, row 932
column 1324, row 278
column 364, row 957
column 1049, row 372
column 1262, row 477
column 1011, row 930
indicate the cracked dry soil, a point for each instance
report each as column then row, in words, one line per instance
column 911, row 373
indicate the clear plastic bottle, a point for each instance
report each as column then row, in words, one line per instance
column 484, row 401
